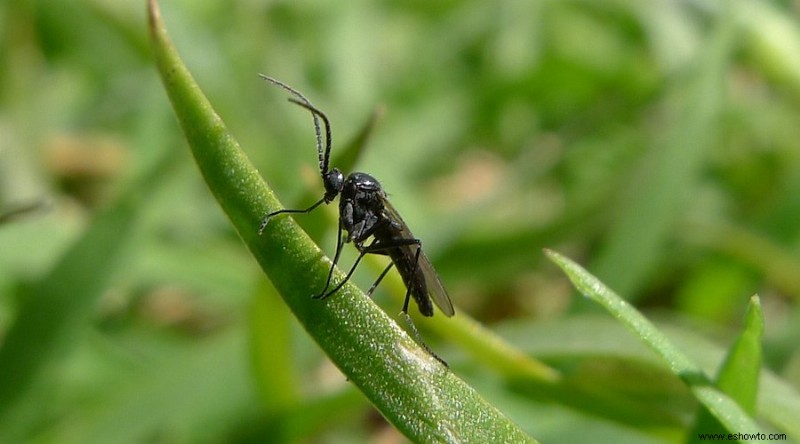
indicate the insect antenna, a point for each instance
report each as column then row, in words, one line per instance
column 324, row 156
column 323, row 153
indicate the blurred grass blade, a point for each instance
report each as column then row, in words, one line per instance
column 773, row 39
column 417, row 394
column 778, row 263
column 724, row 409
column 347, row 158
column 186, row 385
column 60, row 307
column 270, row 349
column 669, row 170
column 494, row 351
column 13, row 213
column 739, row 374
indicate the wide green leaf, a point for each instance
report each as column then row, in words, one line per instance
column 414, row 391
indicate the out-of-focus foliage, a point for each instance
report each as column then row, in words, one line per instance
column 656, row 142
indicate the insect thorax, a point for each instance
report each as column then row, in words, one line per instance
column 361, row 206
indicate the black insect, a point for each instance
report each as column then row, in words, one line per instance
column 364, row 214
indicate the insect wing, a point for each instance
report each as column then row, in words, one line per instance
column 436, row 290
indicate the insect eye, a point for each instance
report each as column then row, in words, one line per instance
column 334, row 182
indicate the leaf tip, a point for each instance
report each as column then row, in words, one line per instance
column 153, row 15
column 754, row 316
column 556, row 258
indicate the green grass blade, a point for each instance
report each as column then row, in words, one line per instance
column 739, row 374
column 740, row 371
column 731, row 415
column 417, row 394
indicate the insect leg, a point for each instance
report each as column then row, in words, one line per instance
column 394, row 243
column 378, row 247
column 410, row 322
column 413, row 276
column 363, row 250
column 380, row 278
column 419, row 340
column 269, row 216
column 399, row 243
column 344, row 281
column 375, row 247
column 339, row 245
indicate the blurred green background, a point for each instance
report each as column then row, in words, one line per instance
column 655, row 142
